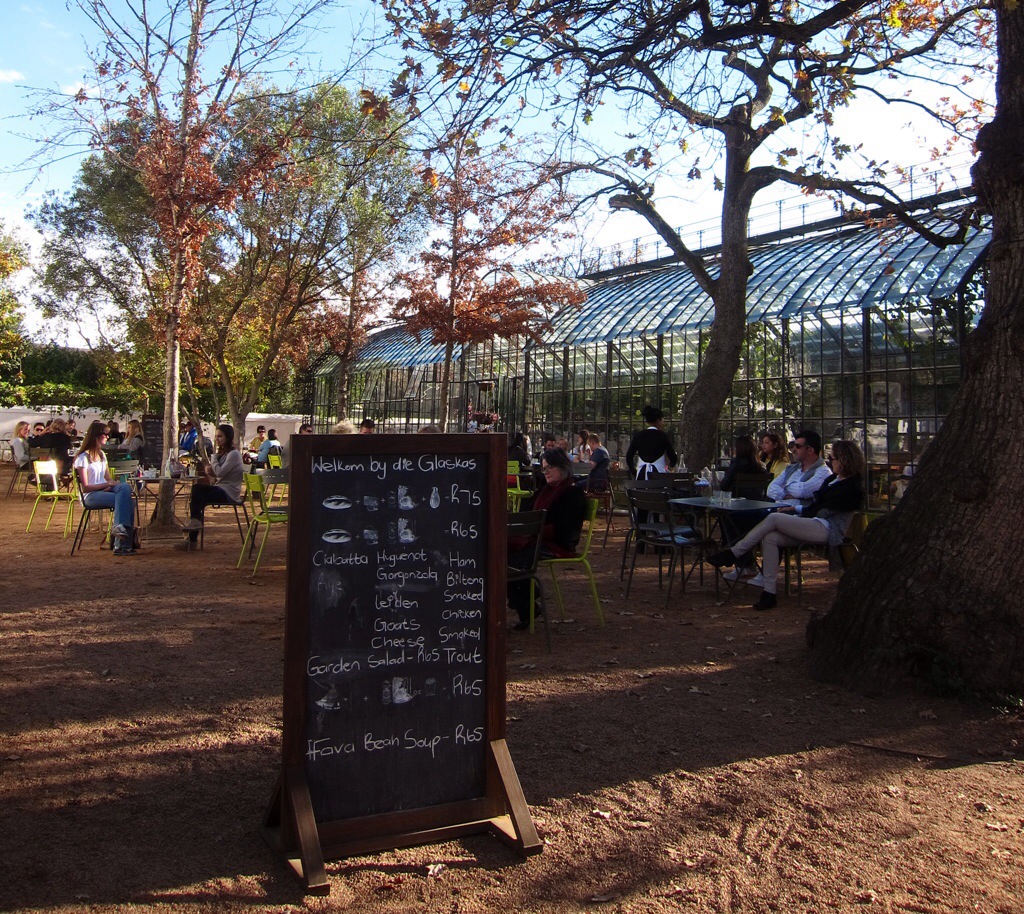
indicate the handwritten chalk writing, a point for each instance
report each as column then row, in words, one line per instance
column 402, row 463
column 425, row 656
column 317, row 667
column 458, row 634
column 435, row 462
column 383, row 641
column 425, row 574
column 372, row 745
column 454, row 578
column 452, row 596
column 455, row 655
column 464, row 736
column 457, row 529
column 415, row 742
column 388, row 659
column 393, row 558
column 393, row 601
column 456, row 560
column 460, row 496
column 330, row 558
column 379, row 468
column 323, row 748
column 396, row 625
column 463, row 686
column 336, row 465
column 461, row 614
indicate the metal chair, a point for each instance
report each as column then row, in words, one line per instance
column 530, row 525
column 83, row 523
column 581, row 560
column 516, row 493
column 48, row 489
column 34, row 454
column 262, row 515
column 751, row 485
column 619, row 501
column 665, row 534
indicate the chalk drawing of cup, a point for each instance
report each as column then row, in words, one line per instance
column 370, row 536
column 371, row 502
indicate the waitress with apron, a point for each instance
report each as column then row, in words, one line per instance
column 650, row 451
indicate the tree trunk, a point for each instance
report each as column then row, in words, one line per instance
column 938, row 589
column 344, row 370
column 446, row 385
column 165, row 499
column 705, row 397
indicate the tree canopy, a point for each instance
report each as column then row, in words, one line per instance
column 742, row 94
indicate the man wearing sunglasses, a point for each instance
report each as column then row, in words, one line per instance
column 799, row 481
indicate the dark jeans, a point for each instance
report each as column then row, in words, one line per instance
column 203, row 496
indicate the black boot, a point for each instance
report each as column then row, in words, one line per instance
column 722, row 558
column 765, row 601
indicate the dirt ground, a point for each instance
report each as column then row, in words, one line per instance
column 679, row 758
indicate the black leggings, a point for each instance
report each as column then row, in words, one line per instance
column 203, row 496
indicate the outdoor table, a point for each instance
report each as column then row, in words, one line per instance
column 181, row 483
column 727, row 506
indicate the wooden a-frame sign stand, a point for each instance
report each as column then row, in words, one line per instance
column 290, row 825
column 290, row 828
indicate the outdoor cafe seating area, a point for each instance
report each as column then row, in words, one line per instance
column 653, row 535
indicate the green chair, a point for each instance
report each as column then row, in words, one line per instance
column 48, row 489
column 516, row 493
column 262, row 515
column 581, row 560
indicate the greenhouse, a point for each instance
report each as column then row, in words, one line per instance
column 852, row 330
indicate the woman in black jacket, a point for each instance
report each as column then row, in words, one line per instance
column 823, row 521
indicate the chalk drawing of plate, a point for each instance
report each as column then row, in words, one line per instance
column 337, row 502
column 337, row 536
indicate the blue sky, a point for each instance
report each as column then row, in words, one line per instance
column 42, row 46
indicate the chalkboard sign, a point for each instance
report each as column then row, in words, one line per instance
column 395, row 680
column 153, row 432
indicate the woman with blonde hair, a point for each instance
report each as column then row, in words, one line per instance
column 19, row 445
column 99, row 489
column 134, row 440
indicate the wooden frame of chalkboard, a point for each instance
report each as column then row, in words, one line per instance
column 394, row 684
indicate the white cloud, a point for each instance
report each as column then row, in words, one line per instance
column 10, row 76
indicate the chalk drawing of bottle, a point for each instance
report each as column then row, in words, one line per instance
column 435, row 498
column 385, row 692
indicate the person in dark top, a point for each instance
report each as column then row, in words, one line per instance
column 824, row 520
column 517, row 451
column 56, row 438
column 744, row 461
column 736, row 523
column 565, row 505
column 651, row 451
column 597, row 481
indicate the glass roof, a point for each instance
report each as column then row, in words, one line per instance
column 849, row 269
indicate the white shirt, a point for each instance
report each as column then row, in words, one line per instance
column 794, row 490
column 95, row 470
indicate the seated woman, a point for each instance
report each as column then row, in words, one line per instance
column 565, row 506
column 99, row 489
column 222, row 482
column 824, row 520
column 19, row 445
column 134, row 440
column 736, row 523
column 774, row 455
column 114, row 435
